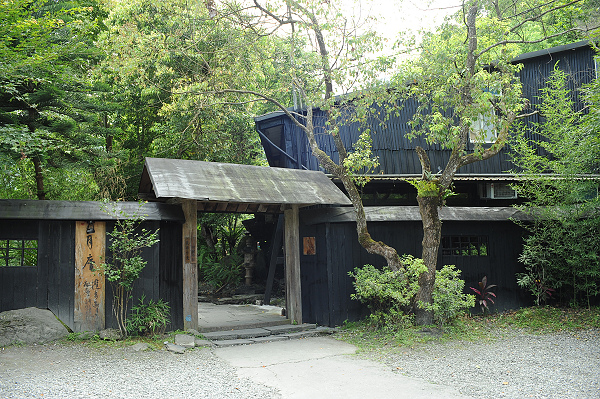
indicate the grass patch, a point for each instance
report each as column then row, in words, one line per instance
column 368, row 337
column 546, row 319
column 93, row 340
column 538, row 320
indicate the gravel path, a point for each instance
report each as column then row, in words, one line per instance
column 76, row 371
column 517, row 365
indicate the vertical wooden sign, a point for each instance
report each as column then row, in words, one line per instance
column 190, row 264
column 90, row 239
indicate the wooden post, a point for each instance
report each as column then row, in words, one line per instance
column 292, row 264
column 190, row 266
column 90, row 241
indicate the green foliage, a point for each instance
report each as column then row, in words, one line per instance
column 125, row 263
column 426, row 188
column 391, row 297
column 449, row 301
column 45, row 93
column 535, row 281
column 548, row 319
column 561, row 252
column 149, row 318
column 562, row 255
column 226, row 272
column 384, row 289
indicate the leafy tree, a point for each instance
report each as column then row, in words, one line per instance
column 48, row 47
column 463, row 74
column 125, row 263
column 341, row 59
column 561, row 252
column 156, row 55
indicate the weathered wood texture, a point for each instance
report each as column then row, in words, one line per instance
column 170, row 277
column 190, row 264
column 237, row 186
column 292, row 265
column 326, row 286
column 90, row 252
column 56, row 261
column 411, row 213
column 84, row 210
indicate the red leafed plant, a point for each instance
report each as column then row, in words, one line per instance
column 484, row 295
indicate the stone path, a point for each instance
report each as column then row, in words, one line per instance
column 265, row 334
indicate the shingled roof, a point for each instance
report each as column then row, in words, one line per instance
column 222, row 187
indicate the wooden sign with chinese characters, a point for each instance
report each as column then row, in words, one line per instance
column 90, row 238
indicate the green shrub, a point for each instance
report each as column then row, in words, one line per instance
column 390, row 295
column 148, row 318
column 449, row 301
column 229, row 271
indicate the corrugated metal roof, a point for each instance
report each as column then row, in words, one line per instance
column 551, row 50
column 85, row 210
column 222, row 187
column 411, row 213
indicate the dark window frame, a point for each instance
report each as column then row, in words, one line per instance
column 19, row 250
column 465, row 245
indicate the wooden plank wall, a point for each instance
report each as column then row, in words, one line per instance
column 326, row 286
column 56, row 263
column 170, row 274
column 18, row 285
column 51, row 284
column 505, row 241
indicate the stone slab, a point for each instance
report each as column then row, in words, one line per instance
column 302, row 334
column 30, row 326
column 270, row 338
column 232, row 342
column 185, row 340
column 252, row 333
column 203, row 342
column 290, row 328
column 174, row 348
column 220, row 335
column 237, row 334
column 140, row 346
column 325, row 330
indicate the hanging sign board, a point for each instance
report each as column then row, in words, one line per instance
column 89, row 312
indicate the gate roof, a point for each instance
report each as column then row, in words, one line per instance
column 223, row 187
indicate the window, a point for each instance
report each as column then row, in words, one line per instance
column 483, row 131
column 465, row 245
column 17, row 253
column 497, row 191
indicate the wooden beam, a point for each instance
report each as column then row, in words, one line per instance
column 275, row 249
column 190, row 266
column 292, row 264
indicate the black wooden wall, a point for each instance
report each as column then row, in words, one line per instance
column 51, row 284
column 19, row 285
column 326, row 286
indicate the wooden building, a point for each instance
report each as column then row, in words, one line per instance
column 477, row 217
column 45, row 250
column 47, row 247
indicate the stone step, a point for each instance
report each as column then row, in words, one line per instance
column 267, row 334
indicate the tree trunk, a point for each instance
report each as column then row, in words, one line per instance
column 39, row 178
column 432, row 234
